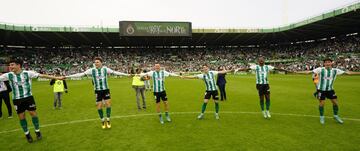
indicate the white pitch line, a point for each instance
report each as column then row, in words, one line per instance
column 152, row 114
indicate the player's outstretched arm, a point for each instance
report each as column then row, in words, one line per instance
column 226, row 71
column 303, row 72
column 51, row 77
column 173, row 74
column 284, row 70
column 110, row 71
column 242, row 69
column 352, row 73
column 120, row 73
column 78, row 75
column 189, row 77
column 146, row 74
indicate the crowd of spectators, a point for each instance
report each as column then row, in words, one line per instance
column 294, row 57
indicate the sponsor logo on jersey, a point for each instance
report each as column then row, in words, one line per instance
column 209, row 79
column 19, row 83
column 328, row 78
column 100, row 77
column 262, row 72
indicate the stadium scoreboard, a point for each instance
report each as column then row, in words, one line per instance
column 151, row 28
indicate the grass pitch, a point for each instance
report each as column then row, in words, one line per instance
column 294, row 124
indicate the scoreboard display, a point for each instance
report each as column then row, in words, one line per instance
column 145, row 28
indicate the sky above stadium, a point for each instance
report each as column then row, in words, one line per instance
column 202, row 13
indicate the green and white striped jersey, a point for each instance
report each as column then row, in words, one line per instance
column 327, row 77
column 262, row 73
column 20, row 83
column 158, row 78
column 209, row 79
column 99, row 76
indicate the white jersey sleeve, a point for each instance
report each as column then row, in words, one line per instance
column 110, row 71
column 317, row 70
column 166, row 74
column 200, row 76
column 271, row 67
column 88, row 72
column 33, row 74
column 339, row 72
column 150, row 73
column 78, row 75
column 4, row 77
column 214, row 72
column 253, row 67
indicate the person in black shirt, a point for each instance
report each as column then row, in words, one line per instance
column 5, row 89
column 220, row 82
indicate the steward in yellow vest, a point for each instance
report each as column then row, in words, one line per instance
column 139, row 87
column 59, row 87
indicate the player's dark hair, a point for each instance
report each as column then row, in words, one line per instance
column 98, row 58
column 16, row 61
column 328, row 59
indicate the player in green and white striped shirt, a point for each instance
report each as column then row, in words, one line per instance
column 158, row 78
column 262, row 83
column 327, row 76
column 99, row 75
column 20, row 82
column 211, row 88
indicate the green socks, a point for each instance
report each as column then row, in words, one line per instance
column 108, row 112
column 262, row 105
column 216, row 107
column 267, row 105
column 23, row 125
column 336, row 109
column 100, row 111
column 203, row 108
column 321, row 109
column 36, row 123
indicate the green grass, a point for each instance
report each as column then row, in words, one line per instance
column 290, row 94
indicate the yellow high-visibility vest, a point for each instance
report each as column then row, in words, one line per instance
column 59, row 86
column 137, row 82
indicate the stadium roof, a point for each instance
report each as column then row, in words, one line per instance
column 338, row 22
